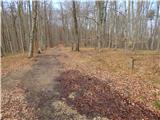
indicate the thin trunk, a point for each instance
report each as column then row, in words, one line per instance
column 75, row 25
column 33, row 32
column 22, row 30
column 155, row 26
column 17, row 44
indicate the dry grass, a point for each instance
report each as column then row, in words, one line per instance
column 146, row 65
column 14, row 62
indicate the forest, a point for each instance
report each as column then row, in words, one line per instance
column 105, row 24
column 80, row 59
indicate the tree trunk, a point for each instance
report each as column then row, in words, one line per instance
column 100, row 15
column 75, row 25
column 20, row 12
column 155, row 26
column 33, row 32
column 16, row 44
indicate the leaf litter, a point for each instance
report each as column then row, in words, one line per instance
column 93, row 97
column 137, row 86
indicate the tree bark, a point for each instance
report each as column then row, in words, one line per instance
column 100, row 15
column 33, row 32
column 20, row 12
column 75, row 25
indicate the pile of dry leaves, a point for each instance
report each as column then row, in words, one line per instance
column 93, row 97
column 15, row 105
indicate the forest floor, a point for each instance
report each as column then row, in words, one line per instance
column 89, row 85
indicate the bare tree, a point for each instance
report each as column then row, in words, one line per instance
column 113, row 24
column 100, row 21
column 20, row 12
column 75, row 25
column 33, row 32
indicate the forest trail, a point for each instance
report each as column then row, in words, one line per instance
column 40, row 76
column 39, row 83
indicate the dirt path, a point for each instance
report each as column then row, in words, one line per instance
column 40, row 89
column 40, row 76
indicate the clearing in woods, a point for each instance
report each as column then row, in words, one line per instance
column 49, row 89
